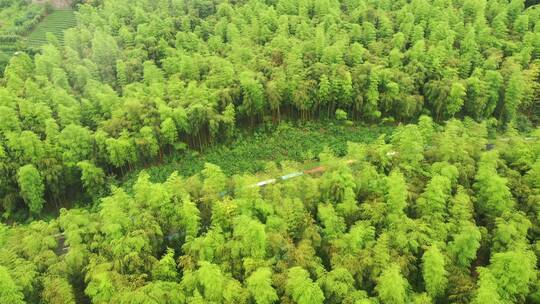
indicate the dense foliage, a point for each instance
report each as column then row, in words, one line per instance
column 138, row 79
column 426, row 215
column 18, row 17
column 443, row 209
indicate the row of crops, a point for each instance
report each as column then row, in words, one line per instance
column 55, row 23
column 17, row 18
column 7, row 49
column 25, row 26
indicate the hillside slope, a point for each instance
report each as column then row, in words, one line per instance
column 55, row 23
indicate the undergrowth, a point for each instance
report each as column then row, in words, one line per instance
column 249, row 151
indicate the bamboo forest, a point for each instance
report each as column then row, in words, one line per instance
column 269, row 151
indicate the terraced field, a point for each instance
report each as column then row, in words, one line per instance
column 17, row 19
column 7, row 49
column 56, row 22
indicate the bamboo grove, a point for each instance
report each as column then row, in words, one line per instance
column 444, row 207
column 137, row 79
column 444, row 218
